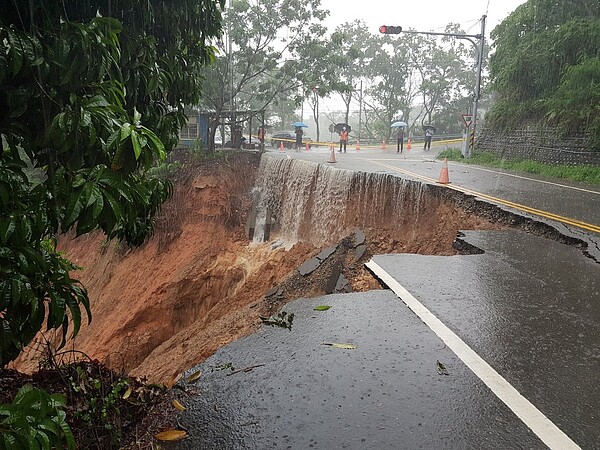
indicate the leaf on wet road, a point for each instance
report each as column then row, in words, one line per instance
column 245, row 369
column 321, row 308
column 342, row 346
column 442, row 368
column 177, row 405
column 222, row 367
column 283, row 319
column 171, row 434
column 193, row 377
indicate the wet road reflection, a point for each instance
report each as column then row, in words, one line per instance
column 531, row 308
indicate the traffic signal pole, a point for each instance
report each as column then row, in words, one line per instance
column 477, row 85
column 478, row 41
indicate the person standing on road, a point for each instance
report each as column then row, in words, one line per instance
column 236, row 136
column 299, row 134
column 400, row 139
column 343, row 139
column 428, row 136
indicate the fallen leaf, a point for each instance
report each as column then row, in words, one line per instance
column 171, row 435
column 127, row 393
column 177, row 405
column 344, row 346
column 321, row 308
column 442, row 369
column 283, row 319
column 193, row 377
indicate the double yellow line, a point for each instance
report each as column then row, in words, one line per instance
column 562, row 219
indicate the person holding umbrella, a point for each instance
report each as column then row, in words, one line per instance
column 343, row 139
column 428, row 135
column 399, row 135
column 299, row 133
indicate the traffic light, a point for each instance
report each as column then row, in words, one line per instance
column 390, row 29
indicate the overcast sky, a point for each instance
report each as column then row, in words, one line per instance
column 421, row 15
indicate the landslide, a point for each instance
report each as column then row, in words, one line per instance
column 198, row 283
column 190, row 286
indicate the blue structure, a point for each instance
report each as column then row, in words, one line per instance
column 195, row 129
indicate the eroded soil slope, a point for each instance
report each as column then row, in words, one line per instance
column 199, row 283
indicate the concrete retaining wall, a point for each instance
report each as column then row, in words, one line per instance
column 544, row 145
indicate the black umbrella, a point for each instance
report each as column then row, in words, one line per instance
column 428, row 126
column 338, row 127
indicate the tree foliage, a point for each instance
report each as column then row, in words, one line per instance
column 35, row 420
column 416, row 79
column 275, row 53
column 353, row 43
column 257, row 58
column 91, row 95
column 545, row 65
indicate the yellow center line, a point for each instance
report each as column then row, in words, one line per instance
column 539, row 212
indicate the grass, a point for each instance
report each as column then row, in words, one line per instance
column 584, row 174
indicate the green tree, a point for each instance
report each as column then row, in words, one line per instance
column 447, row 77
column 353, row 43
column 544, row 67
column 91, row 95
column 257, row 60
column 391, row 86
column 317, row 71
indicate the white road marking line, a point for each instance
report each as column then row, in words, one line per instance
column 545, row 429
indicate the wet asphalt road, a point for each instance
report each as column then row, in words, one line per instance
column 385, row 394
column 539, row 333
column 528, row 306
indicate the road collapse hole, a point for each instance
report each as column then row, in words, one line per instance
column 241, row 237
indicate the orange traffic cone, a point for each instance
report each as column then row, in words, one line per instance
column 331, row 154
column 409, row 144
column 357, row 146
column 444, row 173
column 281, row 147
column 307, row 147
column 383, row 147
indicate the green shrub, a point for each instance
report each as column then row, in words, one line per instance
column 453, row 154
column 35, row 420
column 97, row 403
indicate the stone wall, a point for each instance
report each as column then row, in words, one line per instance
column 544, row 145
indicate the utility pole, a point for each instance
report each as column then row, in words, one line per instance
column 477, row 87
column 478, row 45
column 230, row 58
column 360, row 102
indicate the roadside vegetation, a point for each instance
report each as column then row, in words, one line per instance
column 584, row 174
column 89, row 407
column 92, row 96
column 546, row 68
